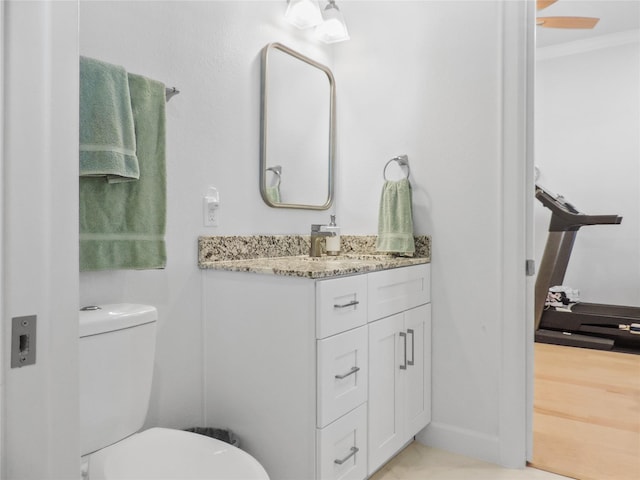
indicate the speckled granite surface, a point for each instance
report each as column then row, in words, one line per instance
column 289, row 255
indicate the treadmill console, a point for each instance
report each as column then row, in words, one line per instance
column 566, row 217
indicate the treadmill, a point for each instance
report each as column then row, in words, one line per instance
column 588, row 325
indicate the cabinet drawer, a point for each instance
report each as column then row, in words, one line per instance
column 342, row 447
column 341, row 304
column 399, row 289
column 342, row 374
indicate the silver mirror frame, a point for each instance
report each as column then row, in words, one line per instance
column 263, row 127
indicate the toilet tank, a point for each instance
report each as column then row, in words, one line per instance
column 117, row 347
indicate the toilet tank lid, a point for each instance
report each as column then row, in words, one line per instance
column 112, row 317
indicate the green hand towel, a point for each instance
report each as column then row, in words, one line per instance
column 273, row 194
column 122, row 225
column 107, row 138
column 395, row 221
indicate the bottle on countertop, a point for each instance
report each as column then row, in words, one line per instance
column 333, row 243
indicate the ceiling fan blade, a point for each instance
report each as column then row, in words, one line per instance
column 567, row 22
column 540, row 4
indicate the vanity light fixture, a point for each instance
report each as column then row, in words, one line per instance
column 303, row 13
column 333, row 29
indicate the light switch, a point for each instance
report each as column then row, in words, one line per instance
column 210, row 207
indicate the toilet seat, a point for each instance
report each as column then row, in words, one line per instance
column 162, row 453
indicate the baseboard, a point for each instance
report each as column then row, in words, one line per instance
column 461, row 441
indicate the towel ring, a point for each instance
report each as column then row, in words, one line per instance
column 402, row 160
column 170, row 92
column 277, row 170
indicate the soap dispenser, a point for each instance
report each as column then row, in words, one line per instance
column 332, row 245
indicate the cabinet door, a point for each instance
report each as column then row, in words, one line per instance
column 386, row 354
column 417, row 323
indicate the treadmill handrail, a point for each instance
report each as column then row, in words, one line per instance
column 566, row 218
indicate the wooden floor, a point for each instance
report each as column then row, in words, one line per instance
column 586, row 420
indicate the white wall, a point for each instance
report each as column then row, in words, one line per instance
column 588, row 149
column 423, row 78
column 40, row 239
column 210, row 51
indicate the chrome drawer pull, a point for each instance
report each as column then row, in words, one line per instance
column 413, row 347
column 352, row 303
column 351, row 372
column 354, row 450
column 404, row 336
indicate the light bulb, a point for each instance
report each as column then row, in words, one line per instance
column 303, row 13
column 333, row 29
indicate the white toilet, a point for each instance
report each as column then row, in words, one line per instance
column 117, row 346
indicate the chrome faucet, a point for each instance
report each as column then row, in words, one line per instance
column 318, row 232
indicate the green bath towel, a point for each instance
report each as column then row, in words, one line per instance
column 122, row 225
column 107, row 137
column 395, row 221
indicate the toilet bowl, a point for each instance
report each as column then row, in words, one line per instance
column 117, row 346
column 162, row 453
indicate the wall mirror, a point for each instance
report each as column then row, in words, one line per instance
column 297, row 143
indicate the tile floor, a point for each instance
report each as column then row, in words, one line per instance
column 417, row 462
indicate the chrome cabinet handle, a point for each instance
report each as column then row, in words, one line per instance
column 413, row 347
column 351, row 372
column 404, row 335
column 354, row 450
column 352, row 303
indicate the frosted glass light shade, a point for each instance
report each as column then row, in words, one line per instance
column 303, row 13
column 333, row 29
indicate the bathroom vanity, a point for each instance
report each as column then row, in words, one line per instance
column 321, row 376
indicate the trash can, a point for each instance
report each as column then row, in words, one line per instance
column 223, row 434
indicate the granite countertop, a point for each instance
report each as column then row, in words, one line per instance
column 288, row 255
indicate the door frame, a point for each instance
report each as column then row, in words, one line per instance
column 516, row 376
column 38, row 235
column 2, row 412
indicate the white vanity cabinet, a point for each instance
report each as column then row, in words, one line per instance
column 399, row 360
column 293, row 367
